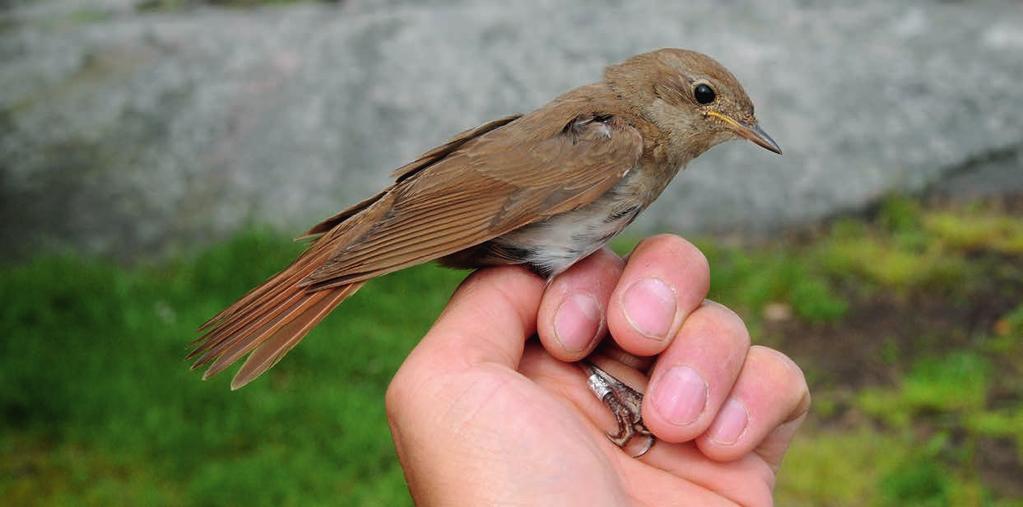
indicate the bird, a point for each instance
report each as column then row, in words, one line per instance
column 542, row 189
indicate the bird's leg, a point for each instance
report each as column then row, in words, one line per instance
column 625, row 403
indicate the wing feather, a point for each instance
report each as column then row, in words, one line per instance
column 403, row 172
column 503, row 180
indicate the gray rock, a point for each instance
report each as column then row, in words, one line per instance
column 127, row 132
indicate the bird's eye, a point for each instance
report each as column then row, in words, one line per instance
column 704, row 94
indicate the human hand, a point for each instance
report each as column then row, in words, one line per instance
column 481, row 415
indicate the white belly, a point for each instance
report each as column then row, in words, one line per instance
column 553, row 245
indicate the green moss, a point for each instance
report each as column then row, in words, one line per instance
column 837, row 468
column 907, row 247
column 919, row 481
column 1004, row 423
column 899, row 214
column 976, row 231
column 882, row 261
column 956, row 382
column 885, row 405
column 815, row 301
column 864, row 466
column 750, row 281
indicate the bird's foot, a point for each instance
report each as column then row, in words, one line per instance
column 625, row 403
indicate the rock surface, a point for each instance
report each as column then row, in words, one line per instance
column 125, row 132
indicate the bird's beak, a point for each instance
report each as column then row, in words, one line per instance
column 751, row 132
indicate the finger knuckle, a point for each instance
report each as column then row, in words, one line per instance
column 787, row 375
column 726, row 323
column 677, row 247
column 393, row 399
column 398, row 394
column 609, row 259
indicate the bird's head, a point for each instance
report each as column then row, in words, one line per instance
column 691, row 97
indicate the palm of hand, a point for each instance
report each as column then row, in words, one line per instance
column 538, row 429
column 530, row 436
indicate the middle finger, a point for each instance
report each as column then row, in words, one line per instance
column 692, row 378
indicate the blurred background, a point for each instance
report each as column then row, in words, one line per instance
column 157, row 155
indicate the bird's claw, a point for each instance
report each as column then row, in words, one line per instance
column 625, row 404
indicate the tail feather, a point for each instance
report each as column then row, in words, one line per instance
column 269, row 332
column 271, row 319
column 214, row 349
column 254, row 293
column 284, row 339
column 274, row 297
column 232, row 350
column 274, row 286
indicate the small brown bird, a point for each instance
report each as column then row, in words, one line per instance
column 543, row 189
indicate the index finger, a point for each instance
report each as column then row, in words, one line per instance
column 665, row 279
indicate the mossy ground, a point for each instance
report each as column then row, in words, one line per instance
column 907, row 322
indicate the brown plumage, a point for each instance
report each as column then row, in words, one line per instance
column 543, row 189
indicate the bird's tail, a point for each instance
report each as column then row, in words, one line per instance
column 269, row 321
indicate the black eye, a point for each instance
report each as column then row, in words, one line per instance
column 704, row 94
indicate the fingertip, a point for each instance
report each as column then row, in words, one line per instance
column 571, row 319
column 694, row 376
column 665, row 280
column 768, row 401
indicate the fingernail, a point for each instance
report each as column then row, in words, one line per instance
column 577, row 321
column 730, row 423
column 680, row 395
column 650, row 307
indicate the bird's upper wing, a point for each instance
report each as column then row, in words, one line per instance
column 433, row 156
column 556, row 159
column 425, row 160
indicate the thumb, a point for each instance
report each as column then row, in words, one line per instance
column 488, row 319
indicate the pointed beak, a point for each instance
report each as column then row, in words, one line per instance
column 751, row 132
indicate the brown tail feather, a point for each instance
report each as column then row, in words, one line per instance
column 269, row 332
column 272, row 318
column 260, row 308
column 298, row 270
column 257, row 333
column 284, row 339
column 268, row 321
column 219, row 340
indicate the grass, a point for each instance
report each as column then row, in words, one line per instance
column 908, row 324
